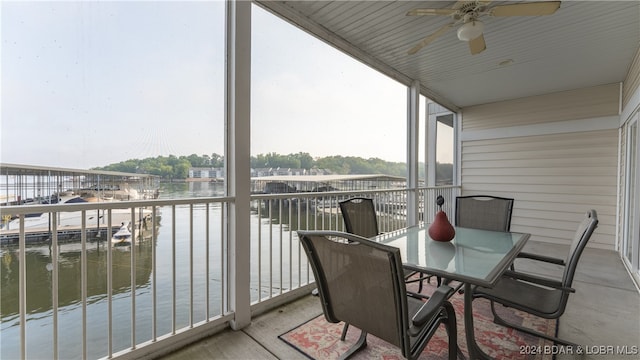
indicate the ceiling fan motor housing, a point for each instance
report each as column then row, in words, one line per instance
column 470, row 30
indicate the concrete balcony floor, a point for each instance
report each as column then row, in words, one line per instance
column 604, row 311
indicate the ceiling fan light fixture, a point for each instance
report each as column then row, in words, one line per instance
column 470, row 30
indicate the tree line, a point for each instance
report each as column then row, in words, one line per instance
column 177, row 167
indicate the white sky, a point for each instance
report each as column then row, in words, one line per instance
column 87, row 84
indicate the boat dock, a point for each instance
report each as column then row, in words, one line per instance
column 25, row 187
column 25, row 184
column 324, row 183
column 44, row 236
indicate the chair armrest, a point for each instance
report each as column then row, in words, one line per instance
column 539, row 280
column 538, row 257
column 417, row 295
column 430, row 308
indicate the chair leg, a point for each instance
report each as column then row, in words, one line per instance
column 500, row 321
column 359, row 345
column 452, row 332
column 344, row 332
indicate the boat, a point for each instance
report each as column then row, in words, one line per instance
column 38, row 225
column 122, row 237
column 73, row 219
column 120, row 191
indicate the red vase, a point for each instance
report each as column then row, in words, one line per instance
column 441, row 229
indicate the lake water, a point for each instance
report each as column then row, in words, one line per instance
column 39, row 329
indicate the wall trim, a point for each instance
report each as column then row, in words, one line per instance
column 560, row 127
column 633, row 105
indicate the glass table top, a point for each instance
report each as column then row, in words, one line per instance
column 474, row 256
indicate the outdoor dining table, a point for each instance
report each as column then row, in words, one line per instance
column 473, row 257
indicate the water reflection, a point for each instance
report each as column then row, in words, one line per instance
column 292, row 219
column 40, row 270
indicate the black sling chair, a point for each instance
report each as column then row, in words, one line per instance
column 538, row 295
column 361, row 282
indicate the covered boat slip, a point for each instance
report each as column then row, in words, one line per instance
column 323, row 183
column 320, row 195
column 21, row 184
column 28, row 191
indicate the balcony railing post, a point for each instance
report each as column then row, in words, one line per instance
column 83, row 280
column 54, row 281
column 22, row 297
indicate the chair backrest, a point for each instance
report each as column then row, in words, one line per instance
column 359, row 216
column 580, row 239
column 359, row 282
column 484, row 212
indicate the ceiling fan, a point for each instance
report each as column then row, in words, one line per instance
column 468, row 14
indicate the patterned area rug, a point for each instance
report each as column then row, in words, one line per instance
column 319, row 339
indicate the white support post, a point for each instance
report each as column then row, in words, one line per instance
column 413, row 113
column 457, row 149
column 431, row 144
column 238, row 152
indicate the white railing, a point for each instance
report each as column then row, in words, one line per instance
column 103, row 300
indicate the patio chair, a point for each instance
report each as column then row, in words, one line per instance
column 484, row 212
column 359, row 215
column 541, row 296
column 361, row 283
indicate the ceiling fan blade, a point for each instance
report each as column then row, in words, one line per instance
column 459, row 4
column 426, row 41
column 477, row 45
column 421, row 12
column 526, row 9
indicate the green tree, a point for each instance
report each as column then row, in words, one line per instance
column 174, row 167
column 217, row 160
column 181, row 169
column 306, row 160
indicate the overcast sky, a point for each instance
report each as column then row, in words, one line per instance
column 87, row 84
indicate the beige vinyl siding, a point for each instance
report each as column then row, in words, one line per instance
column 632, row 81
column 555, row 176
column 554, row 180
column 592, row 102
